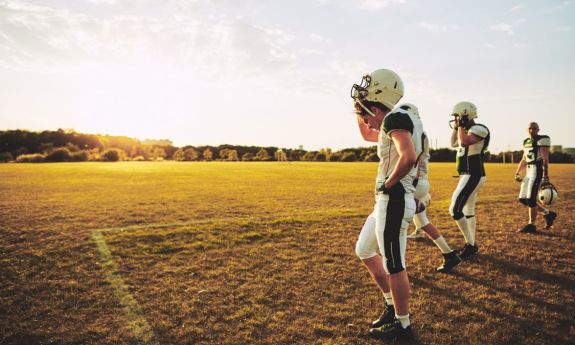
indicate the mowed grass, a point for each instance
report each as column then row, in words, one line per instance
column 262, row 253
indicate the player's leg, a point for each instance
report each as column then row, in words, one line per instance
column 421, row 192
column 466, row 185
column 469, row 209
column 366, row 249
column 391, row 231
column 531, row 191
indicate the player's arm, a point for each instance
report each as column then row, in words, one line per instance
column 407, row 157
column 467, row 139
column 454, row 142
column 544, row 152
column 367, row 133
column 521, row 166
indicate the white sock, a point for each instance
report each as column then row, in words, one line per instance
column 388, row 299
column 404, row 319
column 442, row 244
column 472, row 221
column 464, row 227
column 545, row 211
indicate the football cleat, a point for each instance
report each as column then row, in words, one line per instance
column 392, row 331
column 549, row 219
column 467, row 251
column 528, row 229
column 388, row 316
column 450, row 260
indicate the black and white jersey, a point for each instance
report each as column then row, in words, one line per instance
column 531, row 149
column 398, row 119
column 470, row 159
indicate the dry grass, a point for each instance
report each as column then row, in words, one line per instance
column 262, row 253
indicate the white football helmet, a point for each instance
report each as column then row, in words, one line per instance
column 383, row 86
column 465, row 108
column 410, row 107
column 547, row 194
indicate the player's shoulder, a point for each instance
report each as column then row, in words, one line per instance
column 399, row 119
column 479, row 130
column 543, row 140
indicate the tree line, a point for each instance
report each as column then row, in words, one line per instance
column 70, row 146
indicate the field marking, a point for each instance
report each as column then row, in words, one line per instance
column 132, row 310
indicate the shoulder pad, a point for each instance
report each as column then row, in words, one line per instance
column 397, row 120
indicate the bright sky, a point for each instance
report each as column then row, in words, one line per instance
column 278, row 73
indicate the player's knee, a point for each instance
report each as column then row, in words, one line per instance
column 394, row 269
column 420, row 219
column 457, row 214
column 364, row 252
column 524, row 201
column 532, row 202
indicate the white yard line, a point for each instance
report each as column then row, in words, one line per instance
column 132, row 310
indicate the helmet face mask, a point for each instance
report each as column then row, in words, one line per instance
column 466, row 111
column 381, row 86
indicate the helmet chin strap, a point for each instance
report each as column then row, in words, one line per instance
column 364, row 107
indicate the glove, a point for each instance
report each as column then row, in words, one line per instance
column 545, row 181
column 518, row 178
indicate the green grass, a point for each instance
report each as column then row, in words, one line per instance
column 261, row 253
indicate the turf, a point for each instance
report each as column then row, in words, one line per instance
column 262, row 253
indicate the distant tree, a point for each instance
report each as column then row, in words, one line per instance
column 112, row 155
column 371, row 157
column 349, row 157
column 326, row 152
column 80, row 156
column 208, row 155
column 320, row 157
column 335, row 157
column 178, row 155
column 262, row 155
column 61, row 154
column 559, row 157
column 31, row 158
column 191, row 154
column 233, row 155
column 224, row 153
column 309, row 156
column 248, row 156
column 6, row 157
column 158, row 154
column 72, row 147
column 442, row 155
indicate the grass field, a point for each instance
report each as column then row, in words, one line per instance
column 262, row 253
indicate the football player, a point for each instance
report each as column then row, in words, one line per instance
column 422, row 199
column 536, row 159
column 472, row 140
column 398, row 135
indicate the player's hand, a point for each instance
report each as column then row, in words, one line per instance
column 518, row 178
column 545, row 181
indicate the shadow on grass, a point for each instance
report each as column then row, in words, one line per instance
column 532, row 327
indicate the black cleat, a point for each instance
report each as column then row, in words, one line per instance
column 388, row 316
column 392, row 331
column 528, row 229
column 467, row 251
column 450, row 260
column 549, row 219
